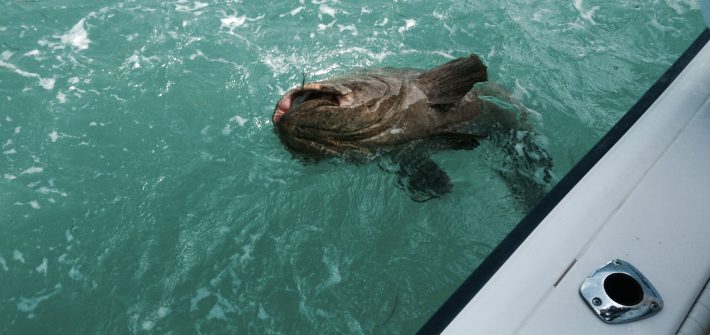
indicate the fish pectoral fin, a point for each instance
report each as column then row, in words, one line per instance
column 447, row 84
column 422, row 178
column 458, row 141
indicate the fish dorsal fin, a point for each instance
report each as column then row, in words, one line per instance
column 448, row 83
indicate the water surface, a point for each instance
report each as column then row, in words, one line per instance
column 143, row 190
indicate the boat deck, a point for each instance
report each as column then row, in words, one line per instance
column 646, row 201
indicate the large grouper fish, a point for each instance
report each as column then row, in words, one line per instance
column 401, row 115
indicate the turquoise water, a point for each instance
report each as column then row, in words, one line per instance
column 143, row 190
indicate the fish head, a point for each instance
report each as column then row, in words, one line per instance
column 330, row 117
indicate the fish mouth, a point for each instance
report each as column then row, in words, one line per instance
column 282, row 107
column 314, row 93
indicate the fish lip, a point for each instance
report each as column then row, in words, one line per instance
column 284, row 104
column 282, row 107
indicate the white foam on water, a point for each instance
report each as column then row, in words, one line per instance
column 135, row 60
column 278, row 63
column 42, row 268
column 5, row 55
column 187, row 9
column 77, row 37
column 326, row 10
column 46, row 190
column 148, row 325
column 3, row 264
column 168, row 85
column 227, row 130
column 408, row 24
column 34, row 204
column 232, row 22
column 334, row 276
column 33, row 170
column 68, row 235
column 118, row 98
column 679, row 6
column 53, row 136
column 322, row 26
column 383, row 22
column 541, row 15
column 198, row 53
column 33, row 53
column 262, row 315
column 75, row 274
column 378, row 56
column 520, row 90
column 492, row 53
column 8, row 176
column 18, row 256
column 30, row 304
column 438, row 15
column 163, row 312
column 151, row 320
column 216, row 312
column 47, row 83
column 62, row 98
column 444, row 54
column 18, row 130
column 654, row 22
column 73, row 80
column 201, row 293
column 10, row 151
column 280, row 90
column 3, row 28
column 585, row 14
column 295, row 11
column 239, row 120
column 221, row 307
column 351, row 28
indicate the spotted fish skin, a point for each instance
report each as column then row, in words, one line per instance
column 379, row 111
